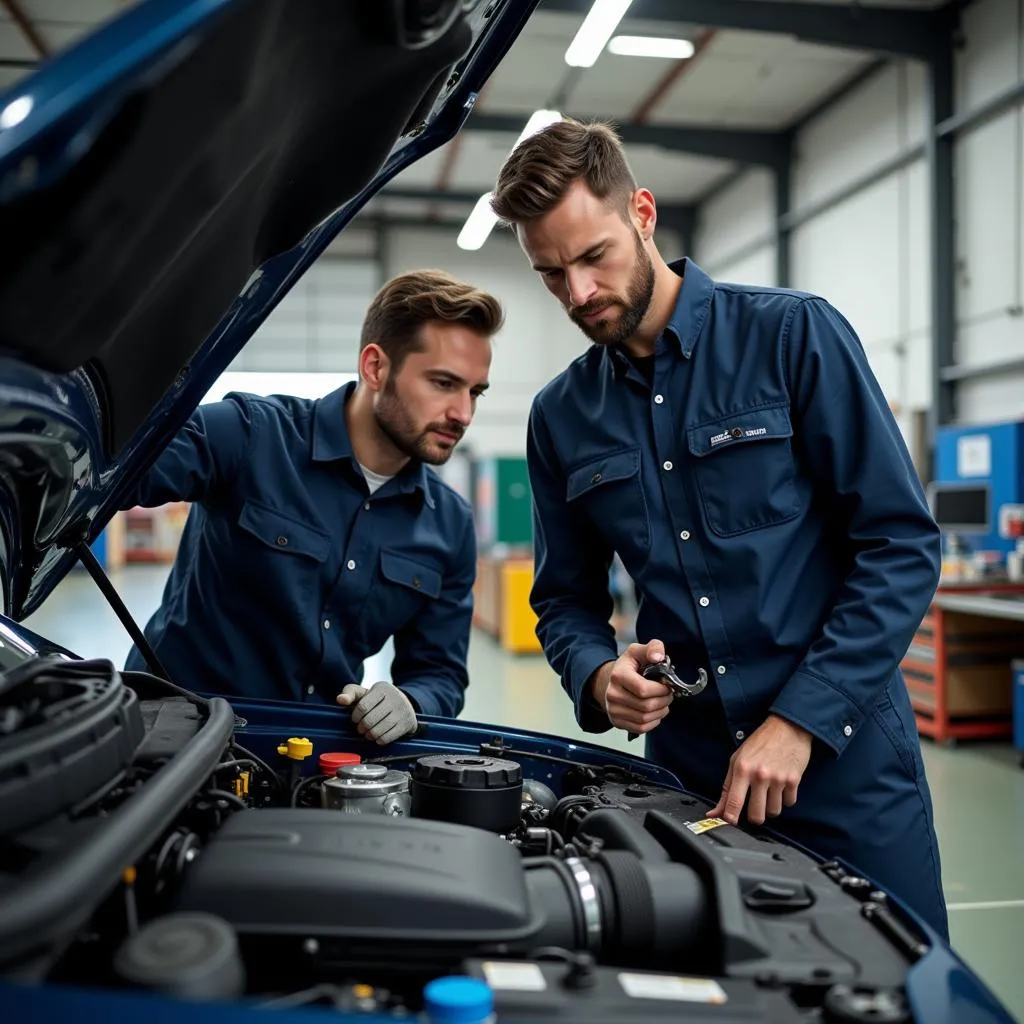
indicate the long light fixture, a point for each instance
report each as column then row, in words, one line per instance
column 593, row 35
column 651, row 46
column 480, row 223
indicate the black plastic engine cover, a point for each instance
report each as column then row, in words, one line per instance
column 362, row 877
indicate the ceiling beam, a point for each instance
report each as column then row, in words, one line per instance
column 906, row 33
column 753, row 146
column 674, row 214
column 28, row 30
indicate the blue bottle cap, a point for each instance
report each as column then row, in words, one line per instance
column 458, row 1000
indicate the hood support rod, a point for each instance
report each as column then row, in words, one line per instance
column 102, row 581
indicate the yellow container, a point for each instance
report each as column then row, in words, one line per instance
column 518, row 621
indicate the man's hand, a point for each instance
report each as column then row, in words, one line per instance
column 381, row 712
column 630, row 701
column 768, row 767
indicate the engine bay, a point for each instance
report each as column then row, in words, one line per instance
column 144, row 849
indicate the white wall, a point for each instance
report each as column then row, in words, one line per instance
column 315, row 328
column 870, row 255
column 735, row 231
column 538, row 339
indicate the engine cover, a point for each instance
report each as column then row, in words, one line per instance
column 360, row 877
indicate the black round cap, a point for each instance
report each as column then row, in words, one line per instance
column 467, row 771
column 187, row 956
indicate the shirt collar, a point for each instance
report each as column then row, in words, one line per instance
column 688, row 315
column 331, row 443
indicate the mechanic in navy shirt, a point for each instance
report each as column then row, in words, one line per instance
column 733, row 447
column 317, row 530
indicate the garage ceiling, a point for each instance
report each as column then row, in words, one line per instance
column 736, row 80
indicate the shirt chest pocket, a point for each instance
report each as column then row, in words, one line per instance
column 745, row 469
column 282, row 534
column 403, row 586
column 609, row 490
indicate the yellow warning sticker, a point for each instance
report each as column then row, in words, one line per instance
column 705, row 825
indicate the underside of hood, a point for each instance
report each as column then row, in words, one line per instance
column 174, row 176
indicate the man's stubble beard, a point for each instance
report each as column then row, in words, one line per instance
column 634, row 308
column 397, row 426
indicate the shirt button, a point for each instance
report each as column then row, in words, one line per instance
column 327, row 623
column 847, row 730
column 310, row 690
column 736, row 433
column 721, row 670
column 282, row 542
column 658, row 399
column 367, row 506
column 667, row 465
column 704, row 602
column 740, row 734
column 685, row 535
column 351, row 564
column 596, row 478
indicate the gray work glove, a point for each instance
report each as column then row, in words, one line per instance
column 381, row 712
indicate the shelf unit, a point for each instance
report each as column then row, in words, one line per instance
column 958, row 670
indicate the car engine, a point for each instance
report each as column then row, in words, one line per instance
column 143, row 849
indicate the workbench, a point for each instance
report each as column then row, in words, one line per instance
column 958, row 667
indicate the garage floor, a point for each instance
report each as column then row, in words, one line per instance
column 978, row 789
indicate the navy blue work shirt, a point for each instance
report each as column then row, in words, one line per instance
column 757, row 488
column 290, row 574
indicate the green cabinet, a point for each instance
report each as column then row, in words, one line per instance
column 502, row 503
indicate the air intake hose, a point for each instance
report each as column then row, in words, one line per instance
column 620, row 908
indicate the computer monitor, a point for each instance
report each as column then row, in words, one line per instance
column 962, row 508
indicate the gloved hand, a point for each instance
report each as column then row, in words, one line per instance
column 381, row 712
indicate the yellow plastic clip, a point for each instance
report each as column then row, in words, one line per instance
column 298, row 749
column 241, row 784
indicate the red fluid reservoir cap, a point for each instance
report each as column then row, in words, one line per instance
column 330, row 763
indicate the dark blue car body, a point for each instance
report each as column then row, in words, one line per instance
column 64, row 467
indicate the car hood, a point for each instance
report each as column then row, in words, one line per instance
column 162, row 186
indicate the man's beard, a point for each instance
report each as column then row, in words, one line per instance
column 634, row 306
column 398, row 427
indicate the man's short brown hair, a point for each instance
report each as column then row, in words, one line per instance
column 540, row 170
column 400, row 309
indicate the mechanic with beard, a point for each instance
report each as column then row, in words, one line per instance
column 317, row 530
column 731, row 444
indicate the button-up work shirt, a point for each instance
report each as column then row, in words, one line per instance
column 758, row 490
column 290, row 574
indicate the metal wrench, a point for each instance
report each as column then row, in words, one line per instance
column 663, row 672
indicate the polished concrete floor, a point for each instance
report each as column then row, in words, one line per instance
column 978, row 789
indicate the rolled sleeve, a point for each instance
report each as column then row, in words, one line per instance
column 866, row 481
column 431, row 651
column 570, row 589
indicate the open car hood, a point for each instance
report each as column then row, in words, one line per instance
column 162, row 186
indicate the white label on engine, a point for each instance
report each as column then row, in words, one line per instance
column 664, row 986
column 516, row 977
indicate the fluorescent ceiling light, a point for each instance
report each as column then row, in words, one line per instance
column 651, row 46
column 479, row 224
column 593, row 35
column 481, row 221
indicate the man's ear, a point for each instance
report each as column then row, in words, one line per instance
column 644, row 213
column 374, row 366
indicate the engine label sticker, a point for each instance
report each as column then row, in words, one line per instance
column 679, row 990
column 516, row 977
column 705, row 825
